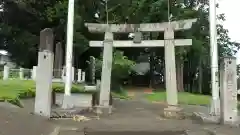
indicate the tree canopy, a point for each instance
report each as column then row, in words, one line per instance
column 22, row 21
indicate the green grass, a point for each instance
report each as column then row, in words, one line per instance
column 13, row 90
column 183, row 98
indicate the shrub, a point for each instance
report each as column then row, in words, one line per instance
column 121, row 69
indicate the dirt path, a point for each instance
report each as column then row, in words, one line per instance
column 15, row 121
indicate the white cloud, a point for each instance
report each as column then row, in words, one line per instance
column 231, row 10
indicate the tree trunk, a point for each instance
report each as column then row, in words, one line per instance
column 179, row 74
column 200, row 76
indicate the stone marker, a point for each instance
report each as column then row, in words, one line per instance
column 5, row 72
column 58, row 60
column 79, row 75
column 93, row 69
column 83, row 77
column 34, row 72
column 44, row 74
column 228, row 91
column 64, row 74
column 21, row 73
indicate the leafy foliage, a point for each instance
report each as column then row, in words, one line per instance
column 21, row 22
column 121, row 66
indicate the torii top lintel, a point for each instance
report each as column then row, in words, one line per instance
column 146, row 27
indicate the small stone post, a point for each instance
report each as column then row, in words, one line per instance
column 93, row 69
column 5, row 72
column 73, row 74
column 228, row 91
column 34, row 70
column 21, row 73
column 44, row 72
column 58, row 60
column 63, row 74
column 79, row 75
column 83, row 77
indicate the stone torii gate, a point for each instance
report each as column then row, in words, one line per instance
column 168, row 43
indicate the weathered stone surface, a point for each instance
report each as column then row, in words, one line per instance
column 228, row 89
column 106, row 70
column 44, row 74
column 58, row 60
column 144, row 43
column 46, row 40
column 170, row 67
column 173, row 112
column 147, row 27
column 205, row 118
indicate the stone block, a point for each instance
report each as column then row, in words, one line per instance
column 205, row 118
column 80, row 100
column 173, row 112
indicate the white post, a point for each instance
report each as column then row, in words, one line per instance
column 79, row 79
column 215, row 105
column 69, row 53
column 21, row 75
column 5, row 72
column 83, row 76
column 63, row 74
column 73, row 74
column 34, row 70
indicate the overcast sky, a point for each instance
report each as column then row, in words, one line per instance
column 232, row 23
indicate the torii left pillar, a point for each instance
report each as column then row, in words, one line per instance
column 106, row 73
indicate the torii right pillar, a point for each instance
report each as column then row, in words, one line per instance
column 172, row 111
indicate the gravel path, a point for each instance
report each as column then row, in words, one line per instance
column 135, row 116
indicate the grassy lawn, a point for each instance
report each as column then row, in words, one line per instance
column 183, row 98
column 13, row 90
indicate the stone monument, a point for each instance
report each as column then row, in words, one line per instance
column 58, row 60
column 228, row 91
column 44, row 74
column 93, row 69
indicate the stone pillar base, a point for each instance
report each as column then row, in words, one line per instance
column 67, row 102
column 103, row 110
column 215, row 107
column 173, row 112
